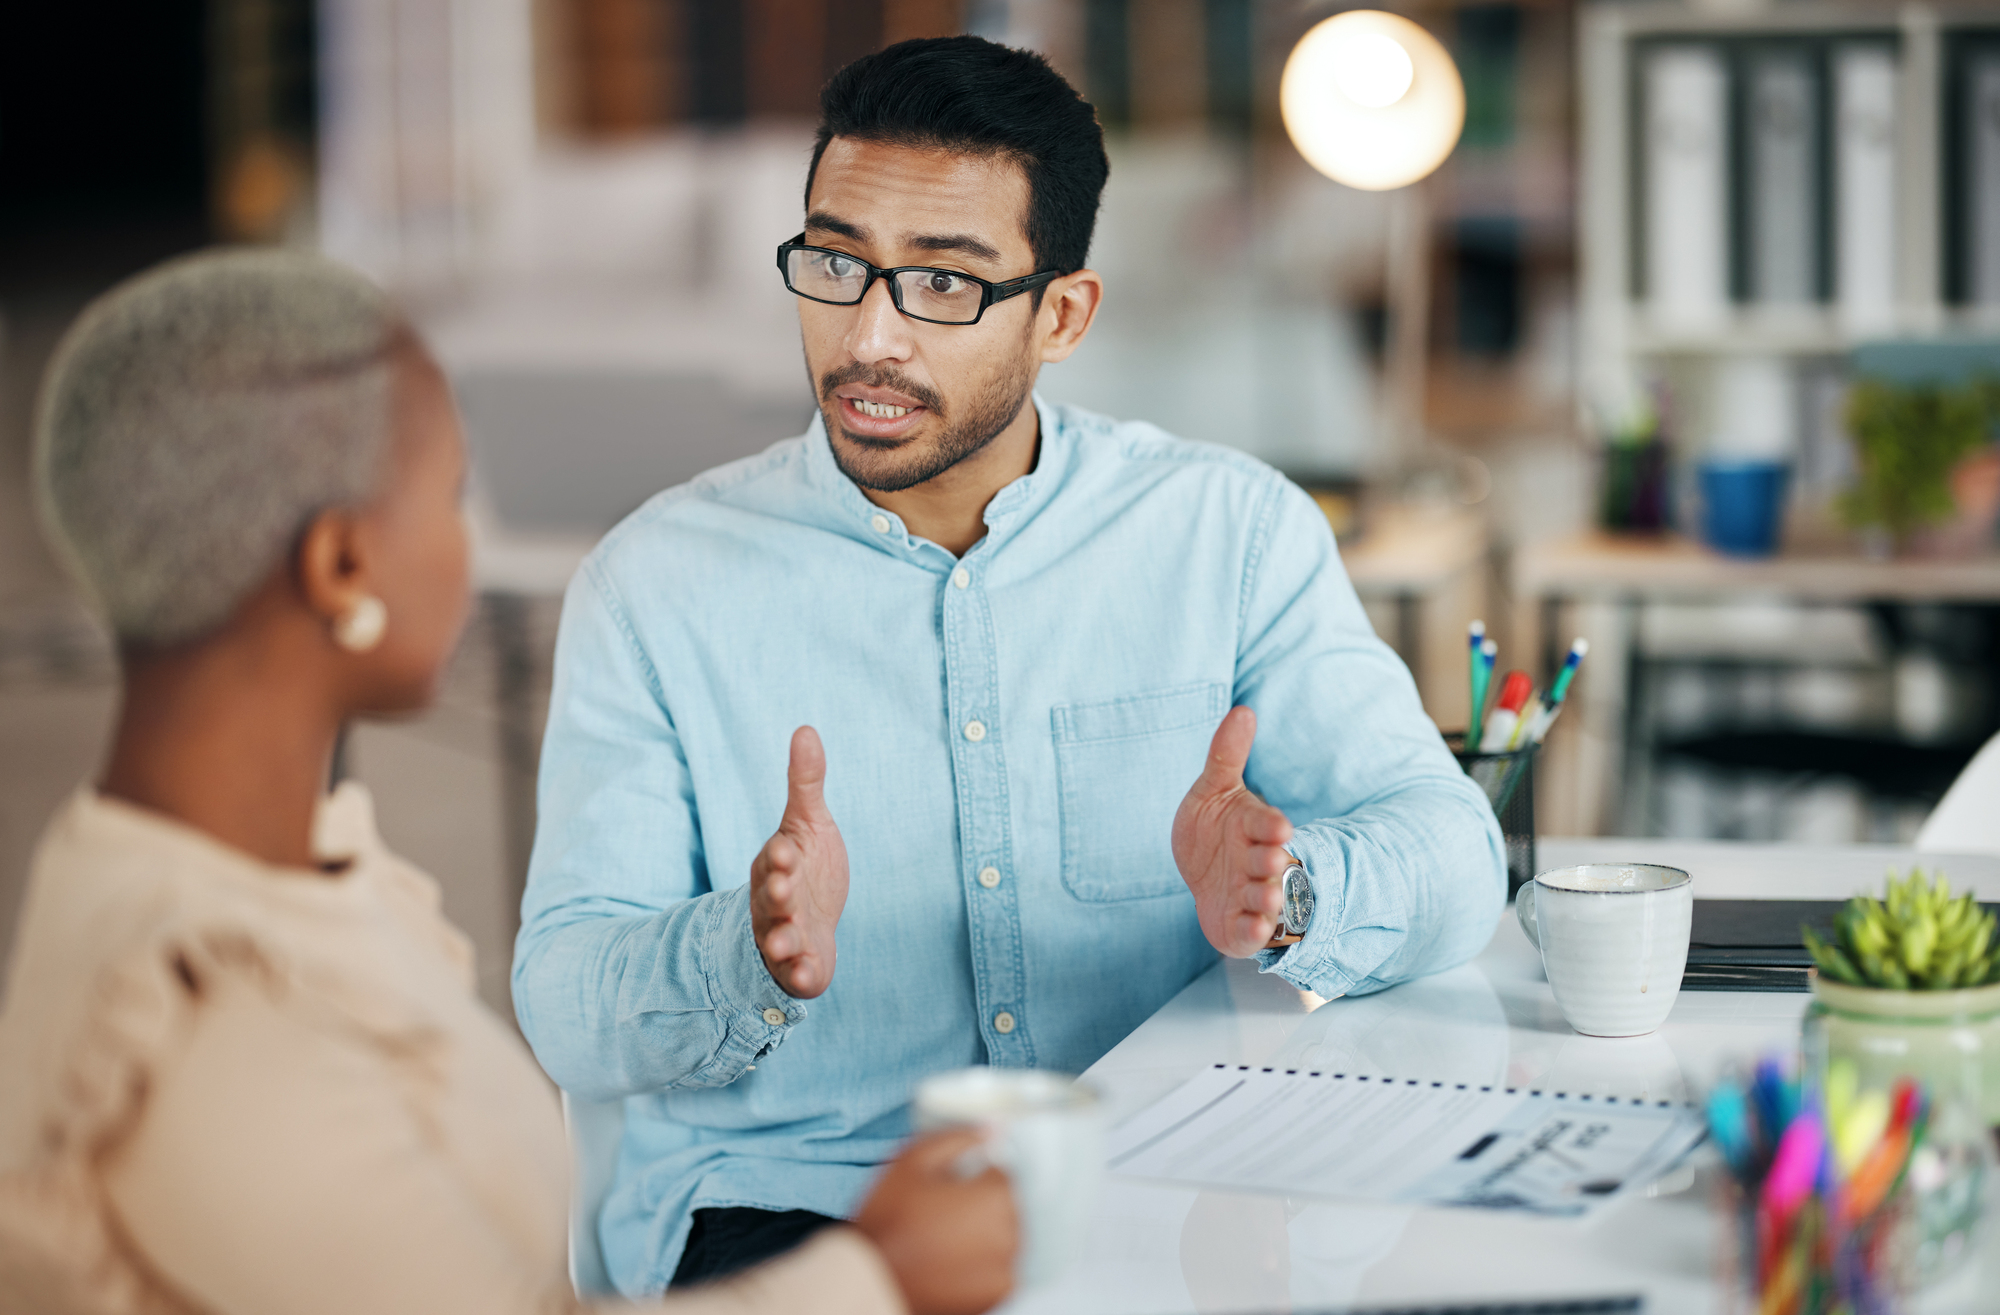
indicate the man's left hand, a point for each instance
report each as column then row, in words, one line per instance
column 1229, row 846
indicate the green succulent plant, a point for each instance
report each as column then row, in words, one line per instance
column 1918, row 937
column 1907, row 438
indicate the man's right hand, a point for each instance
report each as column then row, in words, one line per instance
column 798, row 881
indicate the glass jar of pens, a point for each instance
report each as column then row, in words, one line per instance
column 1500, row 758
column 1858, row 1045
column 1817, row 1206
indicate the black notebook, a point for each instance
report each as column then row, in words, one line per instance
column 1754, row 944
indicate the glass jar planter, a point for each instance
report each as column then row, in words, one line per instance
column 1950, row 1042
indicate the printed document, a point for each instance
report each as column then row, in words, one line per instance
column 1402, row 1140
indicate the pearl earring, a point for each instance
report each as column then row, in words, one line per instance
column 361, row 628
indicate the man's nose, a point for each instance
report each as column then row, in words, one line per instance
column 880, row 332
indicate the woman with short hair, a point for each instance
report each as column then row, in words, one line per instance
column 245, row 1070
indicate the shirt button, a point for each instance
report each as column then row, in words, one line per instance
column 879, row 522
column 975, row 731
column 774, row 1016
column 961, row 577
column 1003, row 1023
column 989, row 877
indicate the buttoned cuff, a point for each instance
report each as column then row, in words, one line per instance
column 1309, row 964
column 752, row 1010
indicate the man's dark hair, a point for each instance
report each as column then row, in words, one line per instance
column 977, row 97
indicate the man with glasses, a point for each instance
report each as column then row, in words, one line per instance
column 1048, row 712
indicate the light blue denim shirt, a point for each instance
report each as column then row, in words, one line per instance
column 1007, row 737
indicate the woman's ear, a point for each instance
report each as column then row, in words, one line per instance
column 332, row 574
column 334, row 579
column 1067, row 310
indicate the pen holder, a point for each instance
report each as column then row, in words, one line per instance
column 1855, row 1262
column 1508, row 778
column 1817, row 1195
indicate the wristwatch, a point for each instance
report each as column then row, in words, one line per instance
column 1298, row 911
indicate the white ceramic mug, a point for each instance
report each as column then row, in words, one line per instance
column 1614, row 941
column 1048, row 1134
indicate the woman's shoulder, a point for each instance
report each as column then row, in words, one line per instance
column 130, row 918
column 111, row 880
column 148, row 954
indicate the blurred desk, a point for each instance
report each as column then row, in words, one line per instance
column 1427, row 565
column 1671, row 565
column 1157, row 1248
column 1605, row 578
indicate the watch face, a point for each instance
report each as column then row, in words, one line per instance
column 1298, row 900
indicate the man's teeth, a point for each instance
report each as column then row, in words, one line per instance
column 880, row 410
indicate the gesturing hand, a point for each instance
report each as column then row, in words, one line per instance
column 798, row 881
column 1228, row 844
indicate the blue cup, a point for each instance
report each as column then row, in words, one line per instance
column 1743, row 506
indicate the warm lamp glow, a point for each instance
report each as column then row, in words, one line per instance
column 1371, row 70
column 1372, row 100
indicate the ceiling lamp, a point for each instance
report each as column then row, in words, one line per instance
column 1372, row 100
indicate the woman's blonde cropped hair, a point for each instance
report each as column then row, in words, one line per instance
column 197, row 417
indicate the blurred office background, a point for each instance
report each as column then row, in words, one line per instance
column 1658, row 241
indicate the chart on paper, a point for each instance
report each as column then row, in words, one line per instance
column 1403, row 1140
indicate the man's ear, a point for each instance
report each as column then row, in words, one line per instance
column 330, row 565
column 1068, row 307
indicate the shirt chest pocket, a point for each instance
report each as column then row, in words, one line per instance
column 1123, row 767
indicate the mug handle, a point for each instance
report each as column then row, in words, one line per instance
column 1524, row 909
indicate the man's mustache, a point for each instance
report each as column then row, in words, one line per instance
column 880, row 377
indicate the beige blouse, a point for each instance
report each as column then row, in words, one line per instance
column 232, row 1088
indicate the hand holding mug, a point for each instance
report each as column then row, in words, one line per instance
column 949, row 1239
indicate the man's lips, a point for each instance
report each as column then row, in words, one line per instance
column 877, row 412
column 879, row 397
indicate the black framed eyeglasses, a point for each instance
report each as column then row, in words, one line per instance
column 935, row 296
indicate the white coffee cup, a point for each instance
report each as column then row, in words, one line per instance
column 1614, row 941
column 1047, row 1132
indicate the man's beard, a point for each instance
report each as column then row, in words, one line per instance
column 888, row 467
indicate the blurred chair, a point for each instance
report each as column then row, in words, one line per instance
column 595, row 1130
column 569, row 451
column 1967, row 819
column 560, row 453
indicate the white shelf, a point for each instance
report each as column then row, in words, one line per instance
column 1807, row 331
column 1815, row 330
column 1657, row 18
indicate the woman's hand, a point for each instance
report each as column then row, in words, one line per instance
column 950, row 1240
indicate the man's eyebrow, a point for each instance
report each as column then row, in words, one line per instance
column 963, row 243
column 825, row 222
column 960, row 242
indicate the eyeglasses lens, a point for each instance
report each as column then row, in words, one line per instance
column 826, row 276
column 936, row 294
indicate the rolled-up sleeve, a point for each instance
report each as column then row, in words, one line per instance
column 630, row 974
column 1405, row 858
